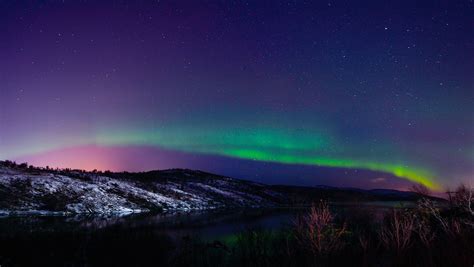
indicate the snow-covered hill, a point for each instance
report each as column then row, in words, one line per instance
column 24, row 190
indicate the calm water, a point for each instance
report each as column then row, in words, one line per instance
column 208, row 224
column 88, row 240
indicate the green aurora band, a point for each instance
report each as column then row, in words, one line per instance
column 266, row 145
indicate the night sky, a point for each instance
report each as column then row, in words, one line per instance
column 343, row 93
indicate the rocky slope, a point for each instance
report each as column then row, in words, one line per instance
column 26, row 189
column 45, row 191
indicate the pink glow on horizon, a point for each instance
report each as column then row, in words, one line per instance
column 144, row 158
column 103, row 158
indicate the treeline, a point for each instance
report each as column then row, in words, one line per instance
column 24, row 166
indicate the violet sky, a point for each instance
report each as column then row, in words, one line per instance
column 346, row 93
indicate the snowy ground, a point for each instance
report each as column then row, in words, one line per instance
column 50, row 192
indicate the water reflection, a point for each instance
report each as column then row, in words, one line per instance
column 206, row 224
column 138, row 239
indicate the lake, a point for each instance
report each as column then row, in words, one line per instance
column 133, row 239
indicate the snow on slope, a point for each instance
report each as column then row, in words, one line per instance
column 23, row 191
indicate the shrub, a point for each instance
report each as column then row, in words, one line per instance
column 462, row 201
column 317, row 233
column 397, row 230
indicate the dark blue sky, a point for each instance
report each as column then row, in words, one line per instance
column 303, row 92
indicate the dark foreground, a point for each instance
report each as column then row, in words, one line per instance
column 421, row 235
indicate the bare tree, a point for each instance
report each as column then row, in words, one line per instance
column 397, row 231
column 317, row 232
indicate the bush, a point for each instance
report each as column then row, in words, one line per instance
column 317, row 233
column 397, row 230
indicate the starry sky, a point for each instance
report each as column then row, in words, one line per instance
column 371, row 94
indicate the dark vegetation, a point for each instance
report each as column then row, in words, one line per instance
column 426, row 235
column 422, row 236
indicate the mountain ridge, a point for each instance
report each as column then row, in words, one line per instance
column 29, row 190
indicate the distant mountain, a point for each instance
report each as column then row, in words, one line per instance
column 301, row 195
column 26, row 189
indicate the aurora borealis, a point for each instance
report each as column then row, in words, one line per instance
column 368, row 94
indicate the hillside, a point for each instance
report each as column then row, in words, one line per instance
column 302, row 195
column 26, row 189
column 33, row 191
